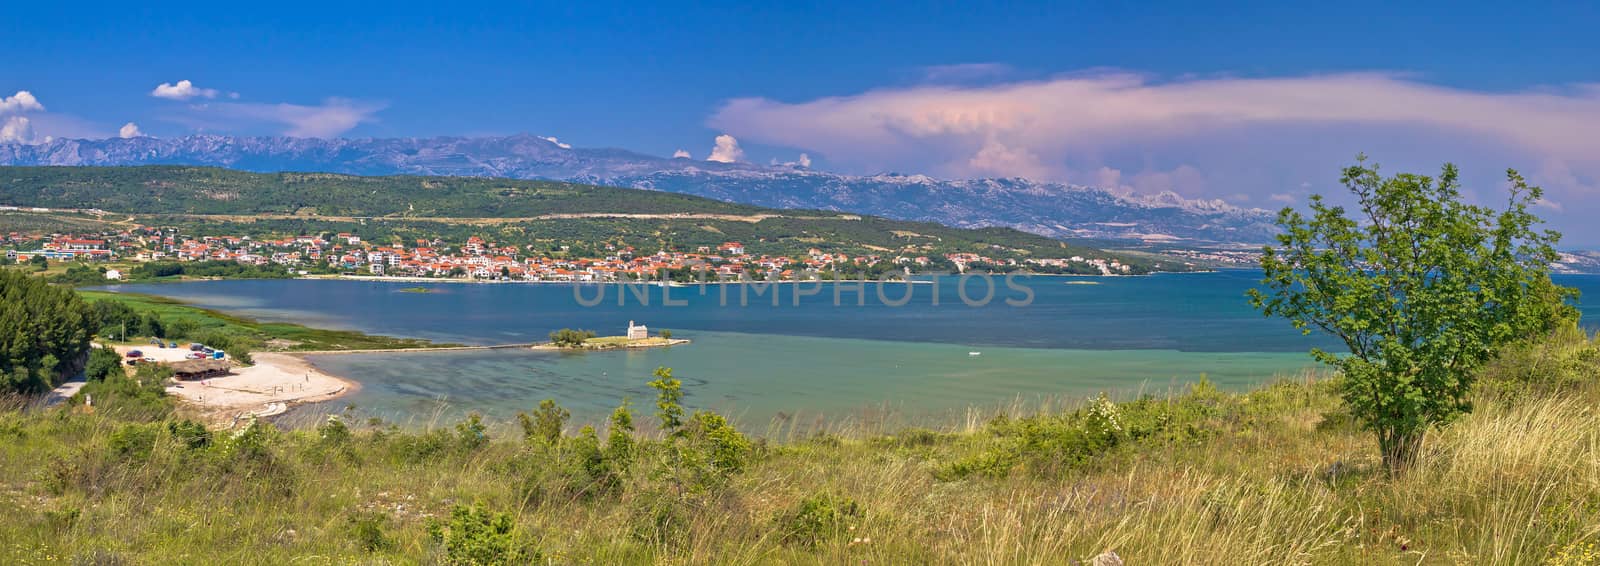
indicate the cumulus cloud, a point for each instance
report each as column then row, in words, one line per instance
column 129, row 130
column 681, row 154
column 727, row 150
column 183, row 90
column 804, row 161
column 1269, row 133
column 22, row 101
column 558, row 143
column 16, row 129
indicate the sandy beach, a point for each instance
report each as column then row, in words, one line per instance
column 276, row 382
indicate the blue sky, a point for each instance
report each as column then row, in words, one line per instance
column 1258, row 103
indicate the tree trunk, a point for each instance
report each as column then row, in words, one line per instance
column 1399, row 449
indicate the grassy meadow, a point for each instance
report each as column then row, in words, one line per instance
column 1275, row 475
column 276, row 336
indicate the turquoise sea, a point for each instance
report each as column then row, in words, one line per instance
column 833, row 352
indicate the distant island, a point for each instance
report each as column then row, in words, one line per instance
column 638, row 336
column 419, row 290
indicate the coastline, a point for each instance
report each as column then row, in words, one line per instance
column 277, row 381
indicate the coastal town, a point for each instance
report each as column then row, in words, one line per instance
column 479, row 259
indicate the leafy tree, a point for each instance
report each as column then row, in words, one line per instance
column 44, row 333
column 546, row 423
column 103, row 363
column 569, row 338
column 669, row 401
column 1420, row 287
column 667, row 334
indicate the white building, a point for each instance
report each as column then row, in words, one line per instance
column 637, row 332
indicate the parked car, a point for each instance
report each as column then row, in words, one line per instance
column 135, row 354
column 149, row 359
column 195, row 356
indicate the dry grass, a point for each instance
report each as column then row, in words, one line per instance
column 1272, row 476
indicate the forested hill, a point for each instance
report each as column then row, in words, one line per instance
column 167, row 189
column 213, row 201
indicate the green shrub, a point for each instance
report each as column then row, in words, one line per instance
column 367, row 530
column 546, row 423
column 480, row 537
column 103, row 363
column 569, row 338
column 190, row 434
column 724, row 447
column 133, row 441
column 819, row 518
column 471, row 433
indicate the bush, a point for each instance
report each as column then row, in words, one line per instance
column 569, row 338
column 133, row 441
column 477, row 536
column 190, row 434
column 471, row 433
column 367, row 531
column 546, row 423
column 819, row 518
column 103, row 363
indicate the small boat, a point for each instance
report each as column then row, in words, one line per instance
column 974, row 354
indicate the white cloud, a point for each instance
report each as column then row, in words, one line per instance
column 558, row 143
column 22, row 101
column 727, row 150
column 333, row 117
column 681, row 154
column 1284, row 198
column 129, row 130
column 183, row 90
column 804, row 161
column 16, row 129
column 1068, row 128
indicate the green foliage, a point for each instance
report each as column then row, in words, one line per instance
column 190, row 434
column 475, row 536
column 472, row 433
column 619, row 439
column 669, row 401
column 142, row 396
column 666, row 334
column 1566, row 360
column 367, row 530
column 103, row 363
column 44, row 333
column 1050, row 445
column 546, row 423
column 1421, row 288
column 206, row 268
column 569, row 338
column 81, row 275
column 133, row 441
column 253, row 441
column 819, row 518
column 333, row 432
column 725, row 449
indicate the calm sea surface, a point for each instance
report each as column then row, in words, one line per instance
column 827, row 358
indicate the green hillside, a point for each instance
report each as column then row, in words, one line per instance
column 212, row 201
column 163, row 189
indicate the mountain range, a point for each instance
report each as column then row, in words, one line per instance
column 1051, row 209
